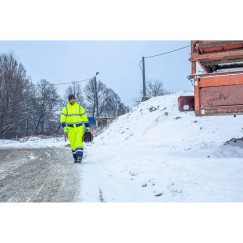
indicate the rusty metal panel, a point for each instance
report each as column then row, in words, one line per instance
column 221, row 96
column 212, row 46
column 220, row 110
column 219, row 57
column 221, row 80
column 186, row 103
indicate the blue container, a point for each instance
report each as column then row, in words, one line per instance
column 92, row 121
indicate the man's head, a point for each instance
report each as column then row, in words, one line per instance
column 71, row 99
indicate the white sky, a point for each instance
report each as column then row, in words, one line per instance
column 120, row 20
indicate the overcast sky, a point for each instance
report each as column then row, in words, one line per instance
column 116, row 61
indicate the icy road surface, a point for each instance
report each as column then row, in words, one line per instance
column 38, row 175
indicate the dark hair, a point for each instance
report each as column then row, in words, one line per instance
column 71, row 96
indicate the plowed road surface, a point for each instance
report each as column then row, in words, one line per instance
column 39, row 175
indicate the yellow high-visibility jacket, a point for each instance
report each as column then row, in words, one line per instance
column 73, row 114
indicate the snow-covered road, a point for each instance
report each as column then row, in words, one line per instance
column 38, row 175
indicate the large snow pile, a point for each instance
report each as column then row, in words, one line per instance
column 159, row 122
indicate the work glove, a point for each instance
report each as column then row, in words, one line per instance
column 87, row 129
column 65, row 129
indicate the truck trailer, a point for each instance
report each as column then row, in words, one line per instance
column 218, row 90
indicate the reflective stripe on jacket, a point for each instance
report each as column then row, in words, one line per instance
column 73, row 114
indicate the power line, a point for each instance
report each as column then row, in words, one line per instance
column 163, row 54
column 58, row 83
column 74, row 81
column 168, row 52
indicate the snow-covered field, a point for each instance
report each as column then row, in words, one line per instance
column 157, row 154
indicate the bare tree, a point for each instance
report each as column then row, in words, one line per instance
column 90, row 96
column 153, row 89
column 109, row 102
column 47, row 102
column 13, row 82
column 27, row 109
column 112, row 105
column 76, row 90
column 156, row 88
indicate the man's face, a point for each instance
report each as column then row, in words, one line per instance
column 72, row 100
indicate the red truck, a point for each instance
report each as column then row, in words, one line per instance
column 219, row 89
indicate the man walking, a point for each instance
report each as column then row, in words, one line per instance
column 75, row 122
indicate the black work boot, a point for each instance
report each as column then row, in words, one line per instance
column 75, row 157
column 79, row 159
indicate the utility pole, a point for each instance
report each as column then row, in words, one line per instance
column 144, row 84
column 96, row 94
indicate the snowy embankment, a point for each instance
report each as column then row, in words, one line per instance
column 158, row 122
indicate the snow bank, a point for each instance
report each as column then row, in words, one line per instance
column 158, row 122
column 34, row 142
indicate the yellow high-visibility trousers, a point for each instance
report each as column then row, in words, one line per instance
column 75, row 136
